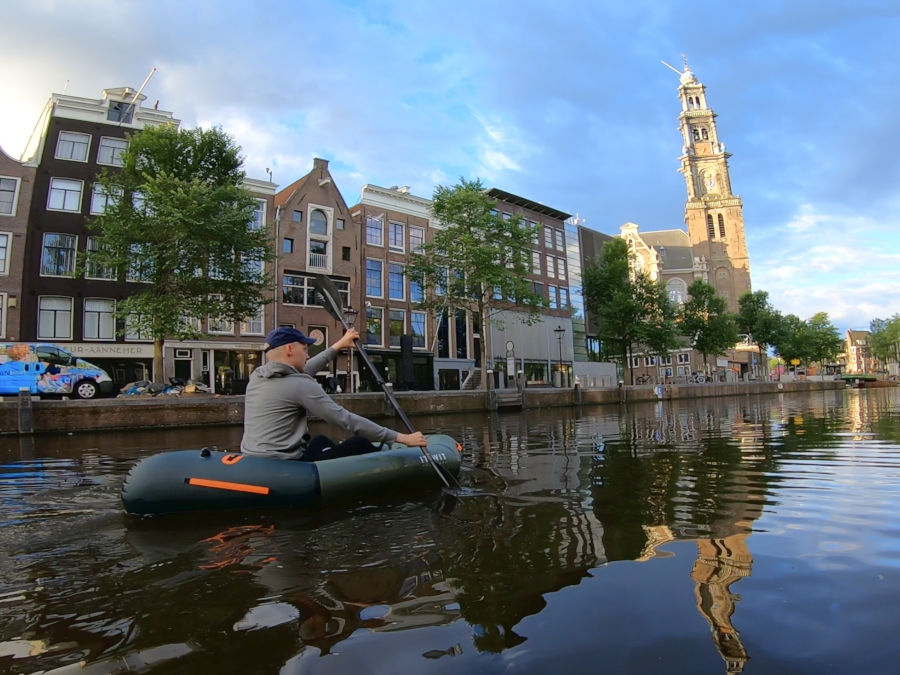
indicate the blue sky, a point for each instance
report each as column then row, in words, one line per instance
column 565, row 103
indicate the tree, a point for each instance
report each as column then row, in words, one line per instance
column 759, row 320
column 627, row 308
column 706, row 321
column 884, row 340
column 179, row 224
column 825, row 342
column 479, row 261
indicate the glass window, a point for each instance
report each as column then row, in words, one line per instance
column 58, row 255
column 535, row 262
column 297, row 290
column 415, row 291
column 564, row 298
column 140, row 266
column 318, row 254
column 397, row 326
column 134, row 329
column 110, row 151
column 318, row 223
column 551, row 267
column 54, row 318
column 396, row 237
column 297, row 216
column 8, row 196
column 93, row 270
column 254, row 324
column 101, row 199
column 374, row 316
column 339, row 223
column 539, row 289
column 552, row 291
column 560, row 240
column 72, row 146
column 374, row 279
column 395, row 282
column 418, row 329
column 5, row 238
column 548, row 237
column 416, row 239
column 287, row 246
column 119, row 111
column 259, row 215
column 561, row 268
column 99, row 319
column 375, row 231
column 65, row 194
column 220, row 324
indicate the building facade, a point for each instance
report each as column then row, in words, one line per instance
column 16, row 184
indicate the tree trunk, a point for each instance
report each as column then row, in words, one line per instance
column 157, row 360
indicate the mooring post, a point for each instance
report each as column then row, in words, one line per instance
column 26, row 415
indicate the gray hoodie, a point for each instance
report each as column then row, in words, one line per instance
column 278, row 399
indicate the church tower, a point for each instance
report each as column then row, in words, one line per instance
column 713, row 213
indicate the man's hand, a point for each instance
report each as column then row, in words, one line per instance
column 347, row 340
column 415, row 439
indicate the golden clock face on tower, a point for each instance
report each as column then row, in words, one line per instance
column 702, row 148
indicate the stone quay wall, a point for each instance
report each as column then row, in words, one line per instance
column 27, row 415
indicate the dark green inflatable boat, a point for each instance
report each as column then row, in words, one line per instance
column 192, row 480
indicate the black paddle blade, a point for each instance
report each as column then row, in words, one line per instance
column 331, row 297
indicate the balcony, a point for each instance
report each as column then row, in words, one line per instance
column 318, row 261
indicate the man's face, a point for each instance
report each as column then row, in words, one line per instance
column 298, row 354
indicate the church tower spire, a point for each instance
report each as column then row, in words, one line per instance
column 713, row 213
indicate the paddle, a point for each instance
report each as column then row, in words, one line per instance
column 332, row 298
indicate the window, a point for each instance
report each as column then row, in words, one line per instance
column 72, row 146
column 397, row 326
column 318, row 254
column 560, row 240
column 416, row 239
column 396, row 237
column 561, row 268
column 535, row 232
column 564, row 298
column 649, row 360
column 666, row 361
column 710, row 228
column 318, row 223
column 535, row 262
column 375, row 231
column 442, row 281
column 287, row 245
column 339, row 223
column 220, row 324
column 635, row 361
column 99, row 319
column 418, row 329
column 721, row 226
column 554, row 300
column 253, row 325
column 140, row 266
column 551, row 267
column 58, row 255
column 374, row 279
column 548, row 237
column 119, row 111
column 259, row 216
column 297, row 216
column 8, row 194
column 101, row 199
column 65, row 194
column 92, row 270
column 136, row 330
column 345, row 253
column 297, row 290
column 684, row 357
column 374, row 317
column 5, row 239
column 54, row 318
column 395, row 282
column 539, row 289
column 416, row 294
column 110, row 151
column 677, row 291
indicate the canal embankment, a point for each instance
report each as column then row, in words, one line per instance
column 27, row 415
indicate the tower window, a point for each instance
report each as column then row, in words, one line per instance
column 710, row 228
column 721, row 227
column 704, row 134
column 696, row 134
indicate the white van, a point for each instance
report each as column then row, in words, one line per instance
column 47, row 370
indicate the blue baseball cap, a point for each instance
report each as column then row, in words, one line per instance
column 284, row 335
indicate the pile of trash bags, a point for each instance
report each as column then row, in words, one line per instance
column 176, row 387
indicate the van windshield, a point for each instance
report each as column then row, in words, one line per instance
column 54, row 356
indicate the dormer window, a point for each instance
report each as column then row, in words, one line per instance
column 119, row 111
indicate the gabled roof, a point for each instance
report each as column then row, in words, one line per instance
column 673, row 246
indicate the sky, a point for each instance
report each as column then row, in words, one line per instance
column 564, row 103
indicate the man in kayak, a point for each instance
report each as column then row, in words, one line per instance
column 283, row 392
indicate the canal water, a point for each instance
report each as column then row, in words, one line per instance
column 744, row 534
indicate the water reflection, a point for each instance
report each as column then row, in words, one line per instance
column 571, row 519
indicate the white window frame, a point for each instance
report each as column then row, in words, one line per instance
column 55, row 334
column 424, row 316
column 6, row 240
column 635, row 361
column 115, row 151
column 101, row 199
column 414, row 245
column 65, row 188
column 395, row 229
column 74, row 254
column 684, row 357
column 254, row 325
column 559, row 237
column 258, row 221
column 365, row 333
column 380, row 281
column 536, row 267
column 391, row 336
column 132, row 336
column 107, row 335
column 553, row 296
column 391, row 272
column 374, row 225
column 14, row 202
column 560, row 268
column 76, row 139
column 551, row 267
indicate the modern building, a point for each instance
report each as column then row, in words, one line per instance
column 16, row 183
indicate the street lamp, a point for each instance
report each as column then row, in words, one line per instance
column 350, row 316
column 559, row 330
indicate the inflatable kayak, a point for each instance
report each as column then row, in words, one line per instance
column 192, row 480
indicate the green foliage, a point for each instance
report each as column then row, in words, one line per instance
column 706, row 321
column 627, row 310
column 815, row 340
column 178, row 220
column 480, row 261
column 884, row 340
